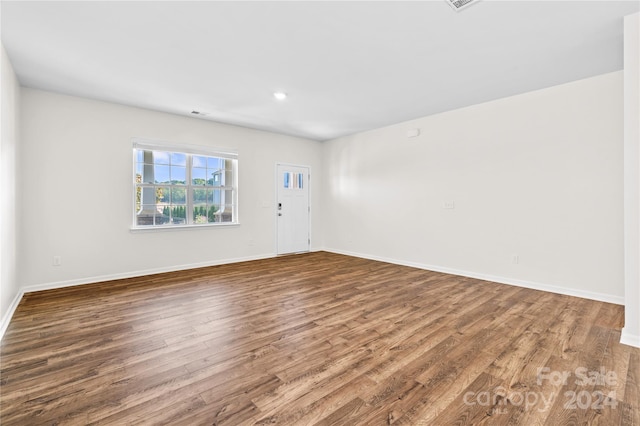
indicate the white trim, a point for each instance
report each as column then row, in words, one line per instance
column 156, row 228
column 141, row 273
column 601, row 297
column 111, row 277
column 629, row 339
column 4, row 324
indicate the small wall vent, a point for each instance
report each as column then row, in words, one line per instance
column 461, row 4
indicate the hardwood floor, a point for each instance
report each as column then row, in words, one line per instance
column 318, row 339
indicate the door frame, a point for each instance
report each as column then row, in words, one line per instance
column 275, row 204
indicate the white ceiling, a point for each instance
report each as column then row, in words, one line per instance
column 348, row 66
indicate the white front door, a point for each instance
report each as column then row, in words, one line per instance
column 292, row 208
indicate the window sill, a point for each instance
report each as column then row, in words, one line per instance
column 182, row 227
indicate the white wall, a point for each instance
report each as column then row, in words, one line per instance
column 10, row 94
column 631, row 330
column 539, row 175
column 76, row 177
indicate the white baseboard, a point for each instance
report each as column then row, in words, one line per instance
column 6, row 319
column 140, row 273
column 601, row 297
column 627, row 338
column 101, row 278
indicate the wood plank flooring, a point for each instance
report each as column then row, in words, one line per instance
column 315, row 339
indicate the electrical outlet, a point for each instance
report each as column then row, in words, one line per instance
column 448, row 205
column 57, row 260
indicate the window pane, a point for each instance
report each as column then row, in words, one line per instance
column 216, row 178
column 163, row 194
column 213, row 214
column 198, row 176
column 146, row 173
column 148, row 195
column 215, row 197
column 160, row 157
column 210, row 177
column 162, row 174
column 145, row 217
column 199, row 196
column 162, row 214
column 215, row 163
column 178, row 195
column 178, row 175
column 178, row 159
column 221, row 196
column 139, row 156
column 226, row 214
column 200, row 214
column 227, row 197
column 138, row 205
column 207, row 196
column 138, row 173
column 199, row 161
column 178, row 214
column 146, row 157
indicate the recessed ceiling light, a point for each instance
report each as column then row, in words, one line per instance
column 281, row 96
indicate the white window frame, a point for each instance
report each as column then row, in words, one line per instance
column 189, row 151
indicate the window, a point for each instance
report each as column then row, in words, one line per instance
column 180, row 186
column 293, row 180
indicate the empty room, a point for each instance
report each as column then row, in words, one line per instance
column 320, row 212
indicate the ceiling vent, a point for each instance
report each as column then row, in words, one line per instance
column 461, row 4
